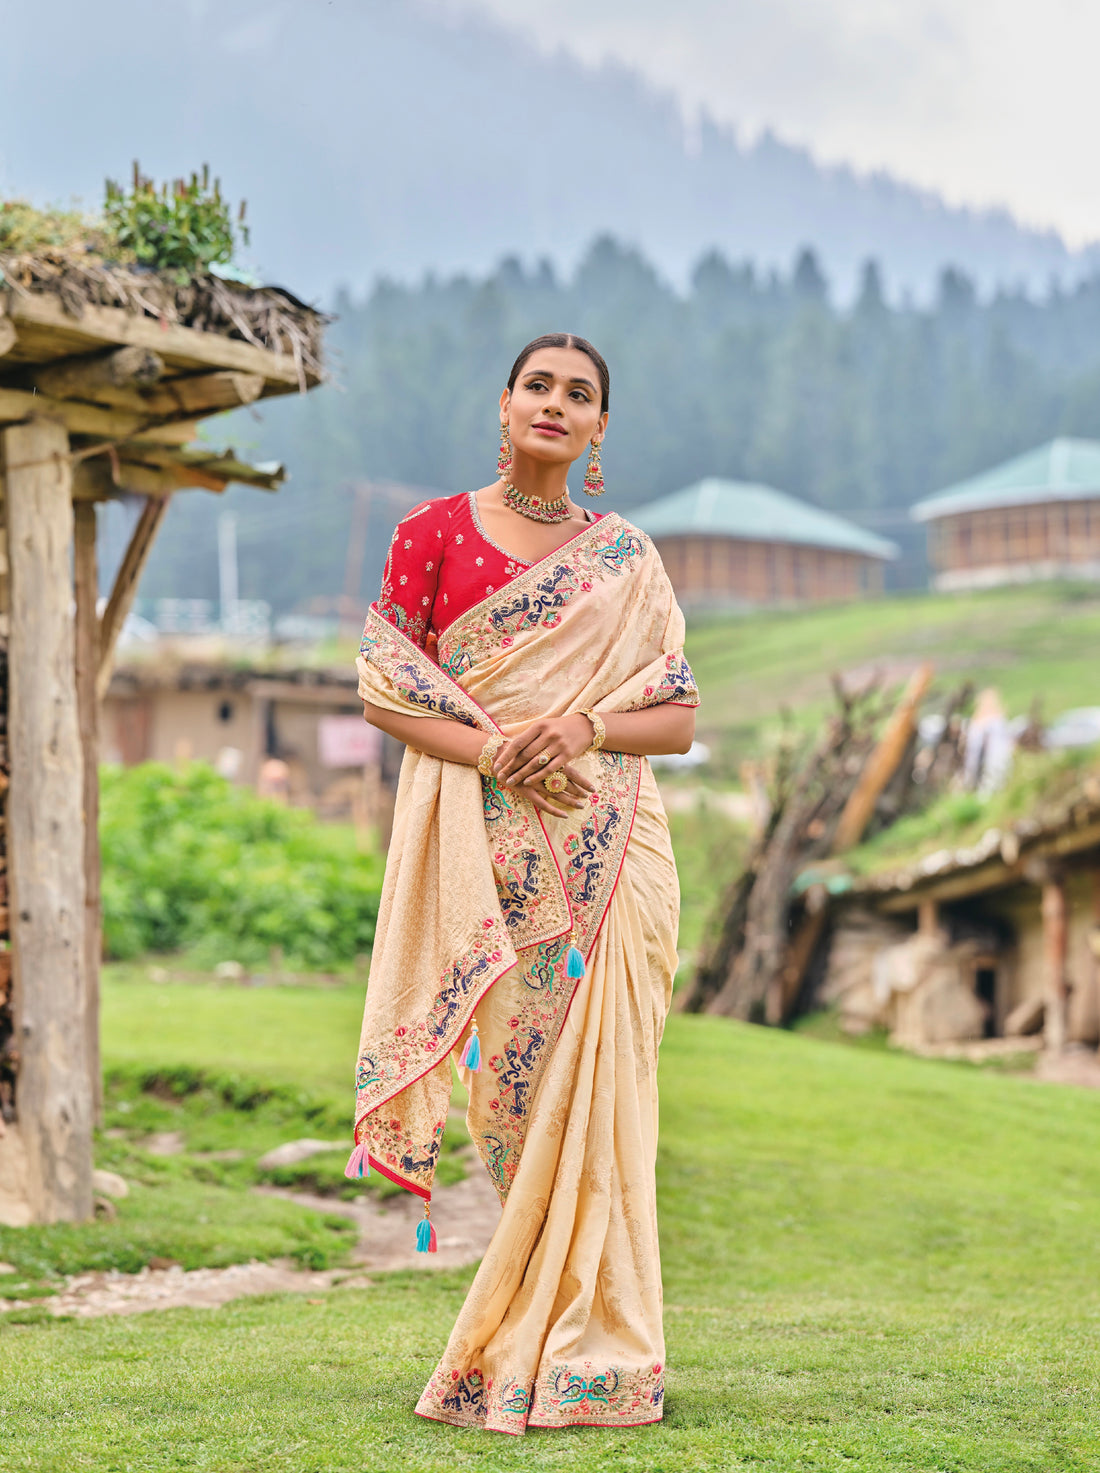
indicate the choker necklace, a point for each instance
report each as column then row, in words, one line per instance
column 535, row 509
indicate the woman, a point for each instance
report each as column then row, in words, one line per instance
column 530, row 655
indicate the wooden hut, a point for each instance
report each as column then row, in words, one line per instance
column 105, row 373
column 729, row 544
column 1000, row 939
column 243, row 718
column 1033, row 518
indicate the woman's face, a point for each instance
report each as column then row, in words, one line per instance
column 554, row 409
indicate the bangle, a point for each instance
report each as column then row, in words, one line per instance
column 488, row 752
column 599, row 731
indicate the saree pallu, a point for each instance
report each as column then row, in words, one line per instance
column 482, row 898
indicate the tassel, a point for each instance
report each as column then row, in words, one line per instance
column 358, row 1165
column 471, row 1054
column 425, row 1234
column 574, row 962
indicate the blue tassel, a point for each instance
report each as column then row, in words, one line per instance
column 574, row 964
column 425, row 1236
column 473, row 1054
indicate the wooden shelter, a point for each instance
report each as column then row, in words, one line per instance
column 729, row 544
column 1033, row 518
column 105, row 373
column 999, row 939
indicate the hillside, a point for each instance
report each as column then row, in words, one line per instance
column 388, row 138
column 1031, row 643
column 870, row 1261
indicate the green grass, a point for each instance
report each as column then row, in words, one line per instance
column 1041, row 787
column 871, row 1262
column 1033, row 641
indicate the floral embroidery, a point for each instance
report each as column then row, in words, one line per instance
column 676, row 684
column 562, row 1396
column 609, row 546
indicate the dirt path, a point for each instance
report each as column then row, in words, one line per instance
column 465, row 1218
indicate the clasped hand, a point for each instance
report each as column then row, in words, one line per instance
column 562, row 739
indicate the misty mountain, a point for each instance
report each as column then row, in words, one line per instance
column 378, row 137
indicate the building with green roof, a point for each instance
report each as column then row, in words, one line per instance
column 739, row 544
column 1035, row 517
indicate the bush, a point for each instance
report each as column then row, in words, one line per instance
column 182, row 229
column 189, row 861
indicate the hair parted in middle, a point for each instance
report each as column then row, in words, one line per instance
column 566, row 340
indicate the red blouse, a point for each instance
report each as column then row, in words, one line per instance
column 441, row 562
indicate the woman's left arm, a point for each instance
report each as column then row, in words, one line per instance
column 650, row 733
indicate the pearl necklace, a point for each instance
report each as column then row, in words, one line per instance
column 535, row 509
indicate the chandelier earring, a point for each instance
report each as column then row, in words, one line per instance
column 504, row 459
column 593, row 475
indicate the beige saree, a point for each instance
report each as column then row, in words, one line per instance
column 562, row 1325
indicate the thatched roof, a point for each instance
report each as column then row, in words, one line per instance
column 266, row 317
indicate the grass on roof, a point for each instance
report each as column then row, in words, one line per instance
column 1040, row 786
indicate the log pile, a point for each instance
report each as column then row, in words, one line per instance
column 866, row 770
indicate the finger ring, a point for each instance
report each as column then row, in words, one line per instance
column 556, row 782
column 543, row 758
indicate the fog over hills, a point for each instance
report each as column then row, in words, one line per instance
column 375, row 137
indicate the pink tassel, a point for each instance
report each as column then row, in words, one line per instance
column 358, row 1164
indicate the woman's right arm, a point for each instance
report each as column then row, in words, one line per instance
column 436, row 736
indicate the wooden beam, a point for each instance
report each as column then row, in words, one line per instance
column 1054, row 909
column 194, row 394
column 94, row 480
column 90, row 376
column 19, row 405
column 122, row 594
column 45, row 828
column 993, row 874
column 86, row 580
column 206, row 393
column 882, row 763
column 113, row 327
column 9, row 336
column 180, row 432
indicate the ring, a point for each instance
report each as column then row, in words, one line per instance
column 543, row 758
column 556, row 782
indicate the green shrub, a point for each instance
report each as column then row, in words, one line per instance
column 189, row 861
column 182, row 229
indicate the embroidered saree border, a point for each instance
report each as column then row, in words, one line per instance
column 570, row 1395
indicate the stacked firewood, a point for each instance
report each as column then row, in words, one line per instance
column 868, row 767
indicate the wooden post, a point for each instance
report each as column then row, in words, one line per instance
column 122, row 594
column 1054, row 941
column 46, row 828
column 87, row 666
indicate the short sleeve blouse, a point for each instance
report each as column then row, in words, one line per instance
column 441, row 562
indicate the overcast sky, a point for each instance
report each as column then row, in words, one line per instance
column 988, row 102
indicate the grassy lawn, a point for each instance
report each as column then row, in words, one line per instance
column 871, row 1262
column 1028, row 641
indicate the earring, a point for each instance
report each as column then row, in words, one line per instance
column 504, row 459
column 593, row 475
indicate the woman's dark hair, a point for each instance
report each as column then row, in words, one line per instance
column 565, row 340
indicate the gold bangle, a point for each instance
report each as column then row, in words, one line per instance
column 488, row 752
column 599, row 731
